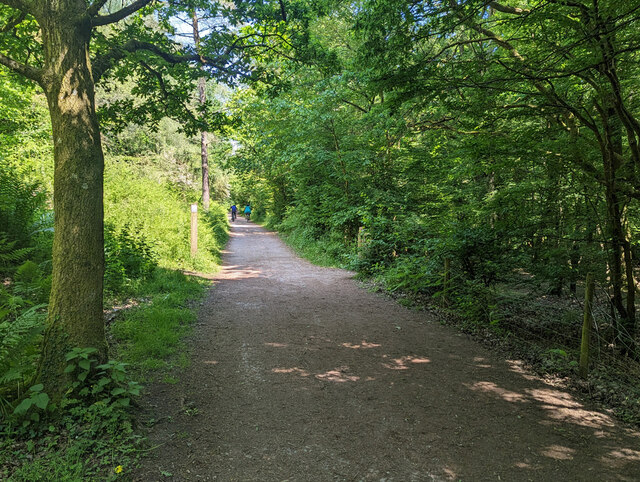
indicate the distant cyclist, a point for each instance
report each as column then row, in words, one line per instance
column 247, row 212
column 234, row 212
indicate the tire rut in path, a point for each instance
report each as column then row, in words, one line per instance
column 297, row 373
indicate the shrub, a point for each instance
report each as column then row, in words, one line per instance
column 19, row 340
column 128, row 256
column 161, row 217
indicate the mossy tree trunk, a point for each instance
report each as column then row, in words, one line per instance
column 60, row 63
column 75, row 310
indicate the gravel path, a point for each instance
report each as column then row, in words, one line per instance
column 299, row 374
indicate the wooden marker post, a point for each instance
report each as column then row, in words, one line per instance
column 586, row 327
column 194, row 229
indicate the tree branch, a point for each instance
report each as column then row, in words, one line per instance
column 283, row 12
column 104, row 62
column 506, row 9
column 95, row 7
column 98, row 20
column 567, row 3
column 544, row 90
column 361, row 109
column 159, row 78
column 23, row 69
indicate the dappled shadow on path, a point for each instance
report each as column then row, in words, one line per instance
column 541, row 428
column 299, row 374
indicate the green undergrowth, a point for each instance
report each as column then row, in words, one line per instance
column 96, row 439
column 320, row 249
column 91, row 434
column 148, row 335
column 159, row 212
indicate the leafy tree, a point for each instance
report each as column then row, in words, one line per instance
column 65, row 46
column 500, row 134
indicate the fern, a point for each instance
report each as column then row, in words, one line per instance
column 9, row 254
column 21, row 202
column 18, row 343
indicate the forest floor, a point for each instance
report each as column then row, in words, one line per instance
column 298, row 373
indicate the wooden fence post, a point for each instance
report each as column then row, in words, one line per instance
column 586, row 326
column 194, row 229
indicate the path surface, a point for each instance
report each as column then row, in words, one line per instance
column 299, row 374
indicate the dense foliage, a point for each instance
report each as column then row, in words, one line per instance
column 499, row 138
column 147, row 197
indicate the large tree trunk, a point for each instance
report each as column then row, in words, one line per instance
column 75, row 310
column 620, row 261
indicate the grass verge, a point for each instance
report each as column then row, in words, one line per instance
column 91, row 435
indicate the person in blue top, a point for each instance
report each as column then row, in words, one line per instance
column 247, row 212
column 234, row 212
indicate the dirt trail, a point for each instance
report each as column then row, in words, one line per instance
column 299, row 374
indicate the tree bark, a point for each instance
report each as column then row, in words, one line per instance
column 75, row 316
column 204, row 152
column 620, row 261
column 202, row 96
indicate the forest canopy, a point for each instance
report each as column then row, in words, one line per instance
column 501, row 135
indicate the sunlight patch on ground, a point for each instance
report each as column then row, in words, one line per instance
column 490, row 387
column 554, row 397
column 621, row 456
column 526, row 465
column 403, row 363
column 564, row 408
column 517, row 366
column 451, row 475
column 558, row 452
column 339, row 375
column 235, row 272
column 363, row 344
column 296, row 370
column 579, row 416
column 560, row 406
column 481, row 362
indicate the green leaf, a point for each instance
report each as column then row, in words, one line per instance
column 24, row 406
column 84, row 364
column 71, row 355
column 37, row 388
column 41, row 400
column 104, row 381
column 117, row 391
column 71, row 367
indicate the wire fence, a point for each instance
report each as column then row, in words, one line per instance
column 553, row 323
